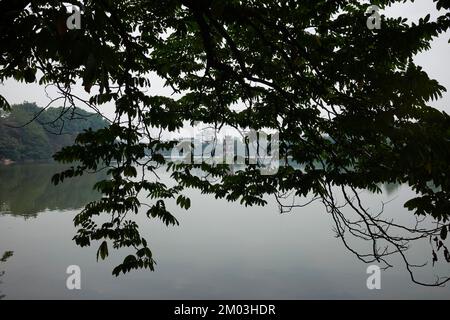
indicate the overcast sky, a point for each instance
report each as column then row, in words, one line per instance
column 435, row 62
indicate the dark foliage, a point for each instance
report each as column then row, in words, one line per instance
column 350, row 101
column 28, row 132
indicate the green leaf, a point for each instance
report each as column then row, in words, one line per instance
column 102, row 251
column 4, row 105
column 444, row 232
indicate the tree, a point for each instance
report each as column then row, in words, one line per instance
column 28, row 132
column 349, row 103
column 5, row 256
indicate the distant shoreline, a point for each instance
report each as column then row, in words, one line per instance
column 7, row 162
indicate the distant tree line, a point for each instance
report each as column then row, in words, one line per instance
column 22, row 139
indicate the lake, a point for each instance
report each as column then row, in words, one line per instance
column 221, row 250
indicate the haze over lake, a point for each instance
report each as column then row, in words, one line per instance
column 221, row 250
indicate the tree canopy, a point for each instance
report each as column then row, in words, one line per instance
column 349, row 104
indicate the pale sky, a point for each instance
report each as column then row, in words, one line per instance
column 435, row 63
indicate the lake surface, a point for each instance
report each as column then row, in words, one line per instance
column 220, row 250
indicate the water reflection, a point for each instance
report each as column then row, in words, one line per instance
column 26, row 189
column 6, row 255
column 221, row 250
column 391, row 188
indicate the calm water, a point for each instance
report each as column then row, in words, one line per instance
column 220, row 250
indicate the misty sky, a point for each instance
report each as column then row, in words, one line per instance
column 435, row 63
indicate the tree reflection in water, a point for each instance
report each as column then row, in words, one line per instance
column 26, row 189
column 5, row 257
